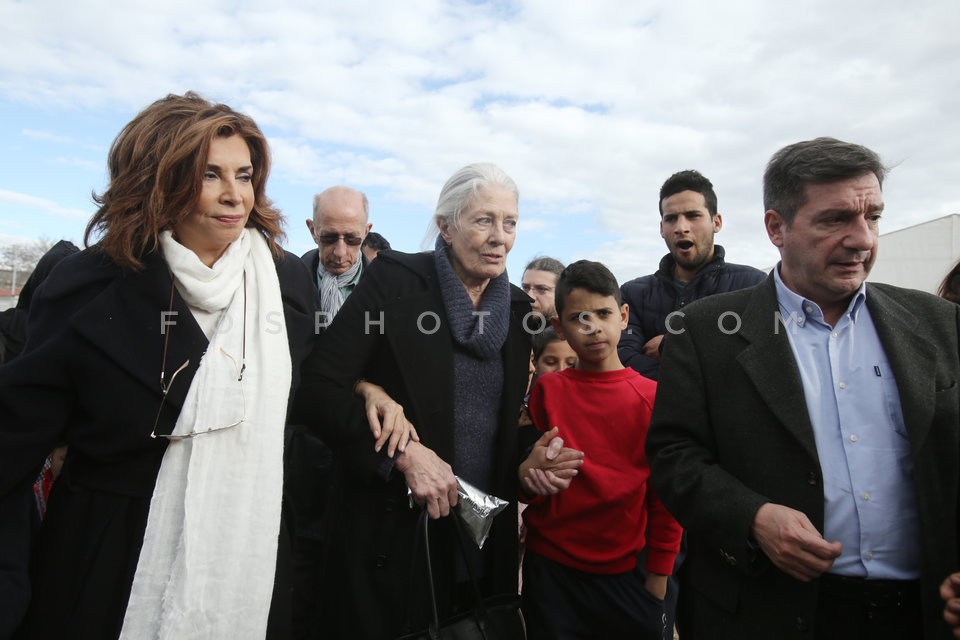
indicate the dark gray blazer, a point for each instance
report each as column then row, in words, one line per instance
column 730, row 431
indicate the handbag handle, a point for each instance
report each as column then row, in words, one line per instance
column 435, row 626
column 423, row 524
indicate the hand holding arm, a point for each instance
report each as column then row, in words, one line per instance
column 550, row 466
column 430, row 479
column 386, row 418
column 792, row 543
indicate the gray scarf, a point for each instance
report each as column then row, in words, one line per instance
column 331, row 287
column 478, row 337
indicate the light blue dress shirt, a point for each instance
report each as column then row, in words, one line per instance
column 865, row 458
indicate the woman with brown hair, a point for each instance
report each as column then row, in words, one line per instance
column 164, row 356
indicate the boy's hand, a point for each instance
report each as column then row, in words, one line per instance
column 550, row 466
column 656, row 584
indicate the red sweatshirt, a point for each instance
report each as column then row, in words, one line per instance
column 598, row 523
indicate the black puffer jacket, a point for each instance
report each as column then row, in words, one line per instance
column 651, row 298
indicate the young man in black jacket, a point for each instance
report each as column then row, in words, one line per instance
column 695, row 268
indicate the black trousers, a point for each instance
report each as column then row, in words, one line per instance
column 860, row 609
column 561, row 603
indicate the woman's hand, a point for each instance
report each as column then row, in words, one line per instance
column 387, row 422
column 550, row 466
column 430, row 479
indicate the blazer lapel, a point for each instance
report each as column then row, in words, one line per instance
column 769, row 363
column 911, row 355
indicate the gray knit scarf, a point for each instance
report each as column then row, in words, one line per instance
column 478, row 337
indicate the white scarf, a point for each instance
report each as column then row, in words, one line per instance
column 331, row 292
column 207, row 564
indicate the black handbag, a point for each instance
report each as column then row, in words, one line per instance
column 495, row 618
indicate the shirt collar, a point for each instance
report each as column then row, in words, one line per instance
column 793, row 305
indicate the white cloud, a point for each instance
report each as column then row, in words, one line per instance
column 590, row 106
column 47, row 136
column 46, row 206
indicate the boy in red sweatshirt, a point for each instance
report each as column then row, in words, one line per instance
column 580, row 573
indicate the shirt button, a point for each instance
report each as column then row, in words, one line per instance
column 808, row 309
column 812, row 479
column 866, row 495
column 854, row 438
column 842, row 385
column 834, row 335
column 868, row 555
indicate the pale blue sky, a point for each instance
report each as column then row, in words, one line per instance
column 589, row 106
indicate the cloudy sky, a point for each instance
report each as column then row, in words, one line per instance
column 588, row 105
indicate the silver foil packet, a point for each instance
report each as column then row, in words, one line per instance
column 477, row 510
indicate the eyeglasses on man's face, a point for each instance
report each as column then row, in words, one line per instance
column 328, row 239
column 539, row 289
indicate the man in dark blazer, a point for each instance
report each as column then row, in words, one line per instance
column 339, row 225
column 806, row 431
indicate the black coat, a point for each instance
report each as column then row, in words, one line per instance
column 370, row 535
column 13, row 322
column 89, row 378
column 308, row 459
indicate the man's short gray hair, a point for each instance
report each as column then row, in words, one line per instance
column 817, row 161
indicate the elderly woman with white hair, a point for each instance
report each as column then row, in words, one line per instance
column 441, row 334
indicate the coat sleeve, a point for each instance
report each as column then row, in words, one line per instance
column 342, row 355
column 632, row 339
column 705, row 498
column 36, row 400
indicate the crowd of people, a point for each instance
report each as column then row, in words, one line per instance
column 205, row 436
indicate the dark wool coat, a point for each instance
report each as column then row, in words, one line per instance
column 730, row 431
column 308, row 459
column 89, row 378
column 374, row 581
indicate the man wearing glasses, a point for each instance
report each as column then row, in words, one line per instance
column 339, row 226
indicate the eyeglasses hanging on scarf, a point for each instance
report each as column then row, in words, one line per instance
column 227, row 360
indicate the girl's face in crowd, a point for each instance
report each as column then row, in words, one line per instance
column 556, row 357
